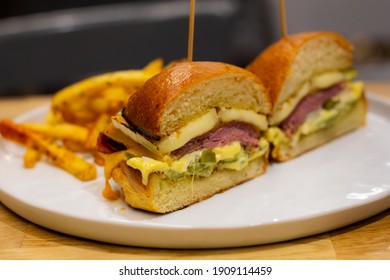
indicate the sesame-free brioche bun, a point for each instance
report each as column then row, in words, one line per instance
column 286, row 64
column 185, row 90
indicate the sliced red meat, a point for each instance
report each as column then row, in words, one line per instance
column 245, row 133
column 307, row 105
column 106, row 145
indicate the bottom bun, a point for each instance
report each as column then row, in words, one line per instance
column 350, row 121
column 163, row 195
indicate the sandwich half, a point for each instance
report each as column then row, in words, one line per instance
column 310, row 78
column 194, row 130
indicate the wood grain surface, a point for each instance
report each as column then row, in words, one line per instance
column 21, row 239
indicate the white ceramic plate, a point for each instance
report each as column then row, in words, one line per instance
column 340, row 183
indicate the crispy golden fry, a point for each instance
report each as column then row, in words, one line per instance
column 60, row 156
column 82, row 102
column 78, row 114
column 31, row 157
column 67, row 160
column 59, row 131
column 13, row 132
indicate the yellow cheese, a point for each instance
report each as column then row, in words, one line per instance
column 231, row 156
column 357, row 88
column 228, row 152
column 239, row 161
column 181, row 165
column 248, row 116
column 283, row 109
column 276, row 136
column 192, row 129
column 110, row 162
column 146, row 166
column 327, row 79
column 317, row 121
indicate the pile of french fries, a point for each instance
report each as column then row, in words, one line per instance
column 78, row 113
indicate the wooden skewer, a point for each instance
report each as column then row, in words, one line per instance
column 191, row 31
column 283, row 24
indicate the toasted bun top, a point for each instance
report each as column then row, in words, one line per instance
column 187, row 90
column 286, row 64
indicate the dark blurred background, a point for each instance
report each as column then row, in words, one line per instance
column 46, row 45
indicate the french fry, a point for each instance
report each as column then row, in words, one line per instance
column 77, row 115
column 60, row 156
column 59, row 131
column 67, row 160
column 31, row 157
column 80, row 103
column 13, row 132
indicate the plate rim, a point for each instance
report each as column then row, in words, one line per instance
column 11, row 202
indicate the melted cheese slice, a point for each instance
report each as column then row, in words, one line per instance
column 248, row 116
column 192, row 129
column 231, row 156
